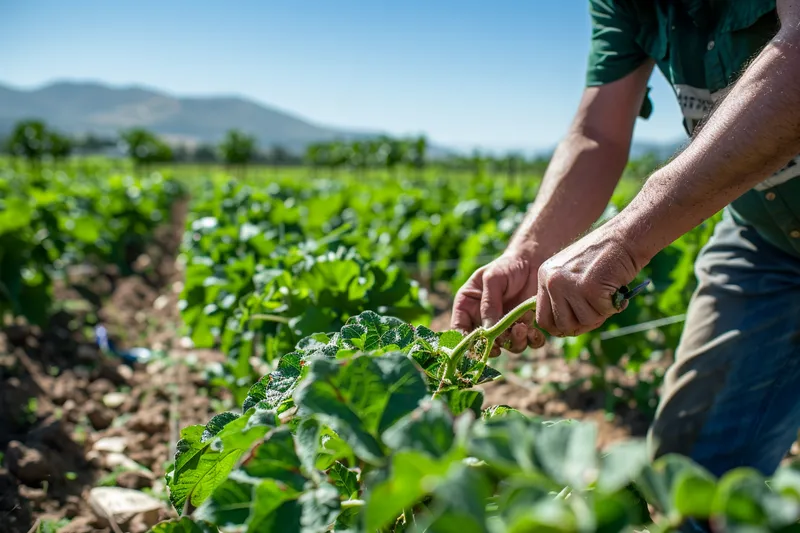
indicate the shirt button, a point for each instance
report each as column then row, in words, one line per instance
column 770, row 196
column 795, row 234
column 711, row 45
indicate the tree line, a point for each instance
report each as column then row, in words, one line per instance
column 35, row 141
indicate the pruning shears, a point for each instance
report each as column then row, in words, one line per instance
column 626, row 293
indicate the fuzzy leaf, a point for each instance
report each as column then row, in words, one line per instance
column 359, row 398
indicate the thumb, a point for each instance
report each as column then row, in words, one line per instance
column 494, row 287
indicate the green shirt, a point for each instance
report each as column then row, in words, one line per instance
column 701, row 47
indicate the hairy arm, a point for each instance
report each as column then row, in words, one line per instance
column 585, row 167
column 752, row 133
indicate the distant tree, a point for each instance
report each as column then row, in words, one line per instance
column 280, row 156
column 29, row 140
column 478, row 163
column 397, row 154
column 145, row 148
column 419, row 153
column 237, row 148
column 205, row 153
column 60, row 146
column 33, row 140
column 513, row 163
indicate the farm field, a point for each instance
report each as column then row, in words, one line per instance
column 266, row 349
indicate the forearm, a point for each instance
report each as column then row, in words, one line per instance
column 754, row 132
column 575, row 191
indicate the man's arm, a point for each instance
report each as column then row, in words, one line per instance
column 577, row 186
column 753, row 132
column 586, row 166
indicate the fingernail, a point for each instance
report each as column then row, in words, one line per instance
column 488, row 322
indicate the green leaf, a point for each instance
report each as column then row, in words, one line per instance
column 497, row 411
column 411, row 476
column 307, row 437
column 567, row 453
column 359, row 398
column 427, row 429
column 693, row 494
column 273, row 510
column 459, row 504
column 621, row 465
column 345, row 480
column 181, row 525
column 657, row 481
column 462, row 400
column 320, row 508
column 450, row 339
column 275, row 458
column 277, row 387
column 206, row 455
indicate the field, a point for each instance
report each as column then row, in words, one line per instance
column 266, row 350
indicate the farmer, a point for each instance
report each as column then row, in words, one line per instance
column 732, row 398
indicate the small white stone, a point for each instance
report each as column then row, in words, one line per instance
column 112, row 400
column 111, row 445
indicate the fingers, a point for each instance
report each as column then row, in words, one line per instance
column 535, row 338
column 518, row 338
column 466, row 307
column 563, row 316
column 494, row 288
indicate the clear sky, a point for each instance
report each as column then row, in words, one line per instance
column 498, row 74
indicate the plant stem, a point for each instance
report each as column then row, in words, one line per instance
column 270, row 318
column 490, row 335
column 349, row 504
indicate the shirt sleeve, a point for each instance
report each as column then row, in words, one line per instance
column 614, row 52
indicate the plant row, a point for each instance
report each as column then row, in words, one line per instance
column 378, row 427
column 51, row 220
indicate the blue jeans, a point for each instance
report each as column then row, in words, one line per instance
column 732, row 397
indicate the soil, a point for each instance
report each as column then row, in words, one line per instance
column 72, row 417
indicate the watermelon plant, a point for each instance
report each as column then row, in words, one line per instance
column 51, row 220
column 380, row 427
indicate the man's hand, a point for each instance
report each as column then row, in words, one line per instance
column 576, row 286
column 494, row 290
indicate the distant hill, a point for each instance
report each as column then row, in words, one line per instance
column 79, row 108
column 88, row 107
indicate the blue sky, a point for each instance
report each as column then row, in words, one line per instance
column 500, row 74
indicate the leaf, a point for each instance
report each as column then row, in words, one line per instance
column 410, row 477
column 567, row 453
column 277, row 387
column 657, row 482
column 206, row 455
column 693, row 494
column 621, row 465
column 428, row 429
column 459, row 504
column 506, row 444
column 320, row 507
column 497, row 411
column 450, row 339
column 527, row 505
column 462, row 400
column 181, row 525
column 345, row 480
column 361, row 397
column 307, row 437
column 275, row 458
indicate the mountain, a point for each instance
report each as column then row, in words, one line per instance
column 88, row 107
column 80, row 108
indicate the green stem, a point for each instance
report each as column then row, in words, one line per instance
column 490, row 335
column 270, row 318
column 349, row 504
